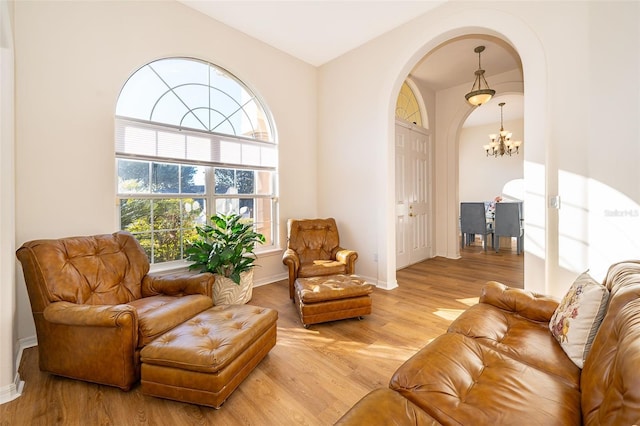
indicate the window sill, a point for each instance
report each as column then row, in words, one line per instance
column 183, row 265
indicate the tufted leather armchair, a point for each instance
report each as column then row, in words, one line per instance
column 313, row 249
column 95, row 306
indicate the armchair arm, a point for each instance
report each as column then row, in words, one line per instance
column 71, row 314
column 292, row 260
column 179, row 284
column 533, row 306
column 96, row 343
column 348, row 257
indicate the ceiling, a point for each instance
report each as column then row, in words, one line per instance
column 319, row 31
column 313, row 31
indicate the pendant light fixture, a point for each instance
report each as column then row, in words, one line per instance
column 480, row 92
column 501, row 143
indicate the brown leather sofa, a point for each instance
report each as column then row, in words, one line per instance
column 313, row 249
column 95, row 306
column 498, row 364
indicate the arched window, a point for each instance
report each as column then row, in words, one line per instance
column 407, row 106
column 191, row 141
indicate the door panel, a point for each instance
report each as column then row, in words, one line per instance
column 402, row 209
column 413, row 207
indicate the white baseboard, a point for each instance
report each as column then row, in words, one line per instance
column 271, row 279
column 384, row 285
column 14, row 390
column 24, row 343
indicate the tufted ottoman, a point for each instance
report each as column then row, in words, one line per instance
column 331, row 297
column 203, row 360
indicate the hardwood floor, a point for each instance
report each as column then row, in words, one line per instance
column 311, row 377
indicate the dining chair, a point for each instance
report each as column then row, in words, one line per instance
column 508, row 223
column 473, row 220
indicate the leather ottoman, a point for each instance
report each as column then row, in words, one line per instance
column 203, row 360
column 331, row 297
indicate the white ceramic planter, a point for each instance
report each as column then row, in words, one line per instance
column 226, row 292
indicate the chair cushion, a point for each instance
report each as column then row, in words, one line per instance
column 321, row 267
column 578, row 317
column 159, row 314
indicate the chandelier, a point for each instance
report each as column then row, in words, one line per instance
column 480, row 92
column 501, row 143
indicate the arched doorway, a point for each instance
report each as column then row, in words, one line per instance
column 440, row 74
column 448, row 125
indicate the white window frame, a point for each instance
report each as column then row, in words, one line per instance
column 208, row 149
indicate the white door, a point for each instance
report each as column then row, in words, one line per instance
column 413, row 207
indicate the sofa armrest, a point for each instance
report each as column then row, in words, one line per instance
column 179, row 284
column 348, row 257
column 71, row 314
column 530, row 305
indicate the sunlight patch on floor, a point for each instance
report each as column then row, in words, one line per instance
column 300, row 338
column 448, row 314
column 469, row 301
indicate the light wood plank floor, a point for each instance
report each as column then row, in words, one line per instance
column 311, row 377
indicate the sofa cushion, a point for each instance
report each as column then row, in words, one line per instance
column 578, row 316
column 459, row 380
column 520, row 338
column 159, row 314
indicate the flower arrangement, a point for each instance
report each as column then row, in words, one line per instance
column 492, row 205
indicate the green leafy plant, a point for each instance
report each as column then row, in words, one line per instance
column 225, row 247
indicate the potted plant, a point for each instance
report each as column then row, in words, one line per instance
column 225, row 248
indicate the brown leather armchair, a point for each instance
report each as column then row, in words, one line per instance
column 95, row 305
column 313, row 249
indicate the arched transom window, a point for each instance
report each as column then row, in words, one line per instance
column 191, row 141
column 407, row 106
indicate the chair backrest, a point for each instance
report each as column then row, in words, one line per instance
column 473, row 218
column 507, row 220
column 313, row 239
column 94, row 270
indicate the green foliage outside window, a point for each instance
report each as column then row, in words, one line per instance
column 162, row 225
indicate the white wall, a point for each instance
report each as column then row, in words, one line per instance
column 565, row 47
column 482, row 178
column 72, row 59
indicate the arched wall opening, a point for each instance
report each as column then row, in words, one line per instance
column 541, row 253
column 483, row 177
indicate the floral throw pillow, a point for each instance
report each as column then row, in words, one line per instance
column 575, row 322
